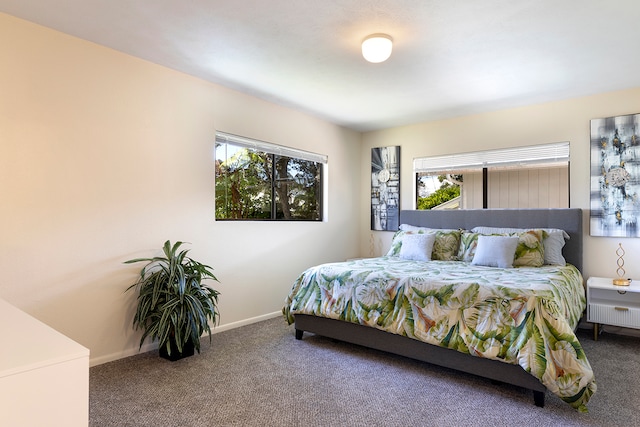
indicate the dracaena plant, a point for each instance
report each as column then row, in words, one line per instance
column 173, row 302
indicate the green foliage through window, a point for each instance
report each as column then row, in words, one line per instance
column 256, row 185
column 448, row 190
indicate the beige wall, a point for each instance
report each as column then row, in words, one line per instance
column 105, row 156
column 538, row 124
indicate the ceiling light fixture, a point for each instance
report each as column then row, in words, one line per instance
column 377, row 47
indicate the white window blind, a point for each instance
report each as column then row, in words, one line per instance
column 528, row 155
column 267, row 147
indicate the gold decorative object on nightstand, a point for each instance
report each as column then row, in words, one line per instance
column 621, row 280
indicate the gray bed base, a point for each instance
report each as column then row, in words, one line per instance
column 569, row 220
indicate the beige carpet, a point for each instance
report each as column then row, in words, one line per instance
column 259, row 375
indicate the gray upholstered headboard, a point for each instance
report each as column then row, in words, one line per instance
column 569, row 220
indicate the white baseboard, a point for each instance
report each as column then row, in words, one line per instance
column 154, row 346
column 245, row 322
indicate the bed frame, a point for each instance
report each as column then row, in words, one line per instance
column 569, row 220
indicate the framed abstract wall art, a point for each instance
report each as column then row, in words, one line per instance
column 385, row 188
column 615, row 176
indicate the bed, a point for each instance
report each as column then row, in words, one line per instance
column 510, row 325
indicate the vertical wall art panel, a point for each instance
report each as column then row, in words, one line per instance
column 385, row 188
column 615, row 176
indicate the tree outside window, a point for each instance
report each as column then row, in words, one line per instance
column 437, row 190
column 256, row 185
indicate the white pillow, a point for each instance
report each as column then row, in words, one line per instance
column 553, row 243
column 495, row 251
column 414, row 228
column 409, row 227
column 417, row 247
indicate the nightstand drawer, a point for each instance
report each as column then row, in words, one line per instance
column 616, row 315
column 616, row 297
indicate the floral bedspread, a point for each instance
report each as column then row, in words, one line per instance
column 523, row 316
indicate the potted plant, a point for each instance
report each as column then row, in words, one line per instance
column 174, row 305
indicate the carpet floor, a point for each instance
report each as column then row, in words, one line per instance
column 260, row 375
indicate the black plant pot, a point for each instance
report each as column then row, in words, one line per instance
column 187, row 350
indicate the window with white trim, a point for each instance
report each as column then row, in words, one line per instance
column 522, row 177
column 258, row 180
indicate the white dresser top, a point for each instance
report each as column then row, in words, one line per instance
column 28, row 344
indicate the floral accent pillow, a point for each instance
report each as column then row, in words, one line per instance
column 468, row 245
column 553, row 242
column 396, row 243
column 530, row 249
column 445, row 246
column 529, row 252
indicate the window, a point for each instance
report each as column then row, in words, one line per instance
column 257, row 180
column 523, row 177
column 439, row 190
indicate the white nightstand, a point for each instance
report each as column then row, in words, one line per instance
column 609, row 304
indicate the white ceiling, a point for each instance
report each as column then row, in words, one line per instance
column 450, row 58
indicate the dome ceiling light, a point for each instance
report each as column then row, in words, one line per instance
column 377, row 47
